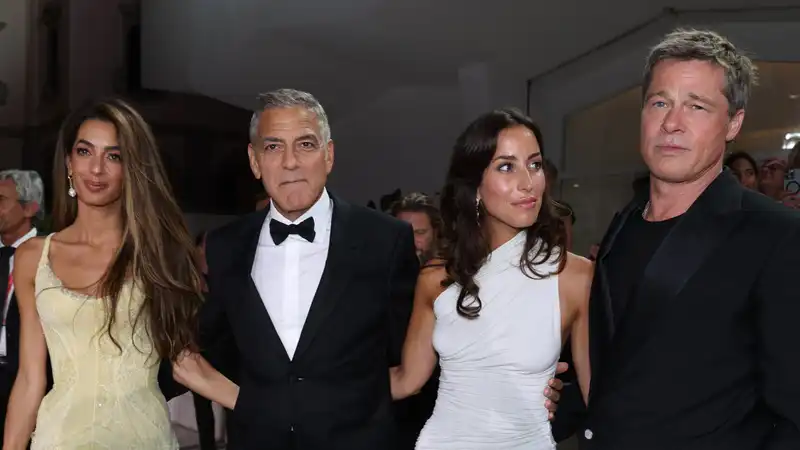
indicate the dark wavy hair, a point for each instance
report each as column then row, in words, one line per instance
column 157, row 251
column 733, row 157
column 466, row 244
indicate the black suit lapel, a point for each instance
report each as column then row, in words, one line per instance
column 701, row 230
column 601, row 311
column 336, row 275
column 608, row 314
column 242, row 287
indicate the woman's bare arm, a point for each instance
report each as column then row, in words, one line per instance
column 194, row 372
column 575, row 287
column 419, row 357
column 31, row 382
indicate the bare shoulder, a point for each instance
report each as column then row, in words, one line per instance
column 576, row 280
column 578, row 268
column 27, row 256
column 431, row 277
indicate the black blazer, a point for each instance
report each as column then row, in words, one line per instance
column 334, row 394
column 706, row 356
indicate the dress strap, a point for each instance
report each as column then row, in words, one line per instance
column 45, row 250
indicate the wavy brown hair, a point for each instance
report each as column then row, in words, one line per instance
column 157, row 251
column 466, row 243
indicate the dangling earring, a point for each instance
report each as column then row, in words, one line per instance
column 71, row 192
column 478, row 210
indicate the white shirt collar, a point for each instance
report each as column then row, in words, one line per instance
column 29, row 235
column 321, row 211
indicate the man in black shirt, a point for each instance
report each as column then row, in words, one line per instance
column 696, row 274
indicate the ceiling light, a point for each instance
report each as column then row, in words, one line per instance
column 576, row 185
column 794, row 96
column 790, row 140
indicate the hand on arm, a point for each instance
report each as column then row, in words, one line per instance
column 552, row 392
column 194, row 372
column 31, row 382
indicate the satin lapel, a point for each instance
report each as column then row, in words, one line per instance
column 693, row 239
column 242, row 288
column 342, row 254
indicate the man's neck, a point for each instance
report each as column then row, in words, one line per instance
column 9, row 237
column 670, row 200
column 294, row 215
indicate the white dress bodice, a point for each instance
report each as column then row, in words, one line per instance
column 495, row 368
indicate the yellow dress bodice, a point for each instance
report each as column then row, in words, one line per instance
column 103, row 396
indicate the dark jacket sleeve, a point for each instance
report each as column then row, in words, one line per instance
column 169, row 387
column 777, row 297
column 402, row 281
column 216, row 337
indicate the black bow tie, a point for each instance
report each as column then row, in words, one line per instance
column 280, row 231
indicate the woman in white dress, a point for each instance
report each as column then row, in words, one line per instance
column 506, row 298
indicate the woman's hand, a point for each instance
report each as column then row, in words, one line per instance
column 197, row 374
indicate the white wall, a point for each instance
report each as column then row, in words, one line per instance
column 404, row 139
column 378, row 149
column 603, row 188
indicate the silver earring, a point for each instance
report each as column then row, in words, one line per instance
column 478, row 210
column 71, row 192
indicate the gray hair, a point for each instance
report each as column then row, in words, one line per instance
column 30, row 187
column 741, row 75
column 290, row 98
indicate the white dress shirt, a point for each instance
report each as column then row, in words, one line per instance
column 30, row 234
column 287, row 275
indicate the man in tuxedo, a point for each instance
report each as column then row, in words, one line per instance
column 696, row 275
column 316, row 293
column 21, row 200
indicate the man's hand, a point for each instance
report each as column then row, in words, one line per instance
column 553, row 391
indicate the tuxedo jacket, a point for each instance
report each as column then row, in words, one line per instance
column 705, row 356
column 334, row 393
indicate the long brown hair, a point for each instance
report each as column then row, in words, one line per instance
column 466, row 244
column 157, row 251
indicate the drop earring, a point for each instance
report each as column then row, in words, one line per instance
column 71, row 191
column 478, row 210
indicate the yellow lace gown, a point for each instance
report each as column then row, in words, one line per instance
column 102, row 398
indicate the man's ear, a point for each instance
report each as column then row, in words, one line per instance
column 30, row 209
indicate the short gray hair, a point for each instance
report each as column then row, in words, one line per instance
column 741, row 75
column 30, row 187
column 290, row 98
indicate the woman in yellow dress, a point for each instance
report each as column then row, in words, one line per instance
column 109, row 295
